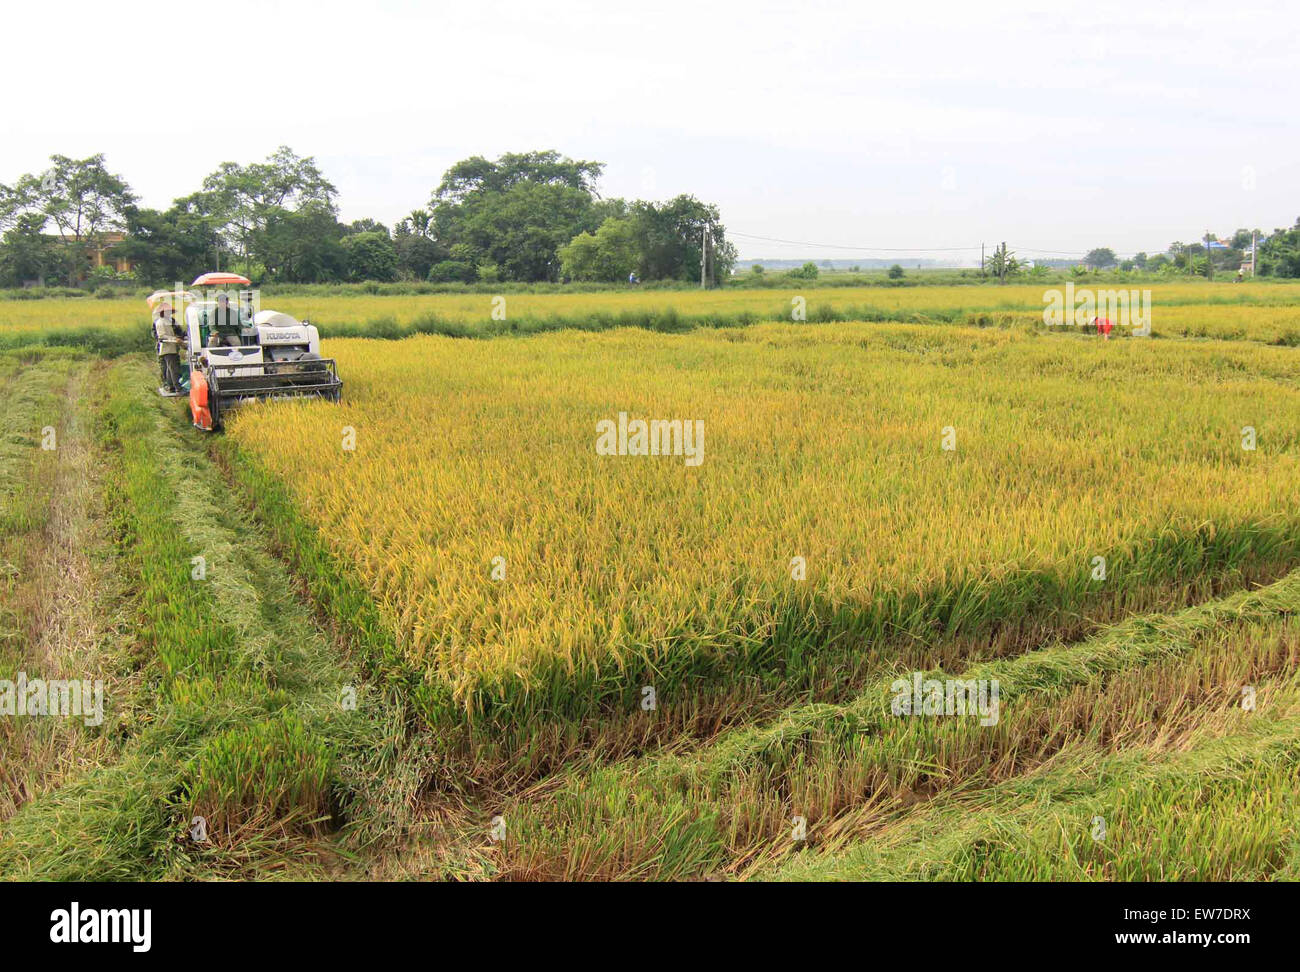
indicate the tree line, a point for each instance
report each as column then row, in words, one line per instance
column 528, row 217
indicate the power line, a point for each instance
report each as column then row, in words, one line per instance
column 1071, row 254
column 1074, row 254
column 875, row 249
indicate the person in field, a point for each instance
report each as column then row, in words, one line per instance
column 167, row 332
column 1104, row 326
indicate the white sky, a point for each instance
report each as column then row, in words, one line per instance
column 912, row 125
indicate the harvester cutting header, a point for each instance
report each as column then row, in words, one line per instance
column 218, row 347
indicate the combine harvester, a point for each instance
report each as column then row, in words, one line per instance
column 227, row 353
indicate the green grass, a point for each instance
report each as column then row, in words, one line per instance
column 243, row 721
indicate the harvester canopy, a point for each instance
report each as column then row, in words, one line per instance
column 174, row 297
column 220, row 279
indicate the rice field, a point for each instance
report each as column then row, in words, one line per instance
column 860, row 488
column 476, row 623
column 1263, row 312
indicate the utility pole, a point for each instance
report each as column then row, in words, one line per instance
column 1002, row 264
column 981, row 261
column 1209, row 258
column 1254, row 252
column 704, row 258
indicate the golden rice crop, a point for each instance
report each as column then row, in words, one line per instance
column 821, row 442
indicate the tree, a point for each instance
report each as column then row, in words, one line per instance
column 303, row 245
column 808, row 271
column 669, row 237
column 26, row 253
column 608, row 254
column 247, row 199
column 452, row 271
column 78, row 198
column 516, row 212
column 896, row 272
column 1279, row 253
column 1100, row 258
column 416, row 254
column 366, row 225
column 475, row 177
column 521, row 229
column 171, row 246
column 370, row 256
column 1003, row 263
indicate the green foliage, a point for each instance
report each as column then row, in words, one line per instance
column 895, row 272
column 277, row 220
column 808, row 271
column 1102, row 256
column 416, row 252
column 303, row 244
column 515, row 212
column 1279, row 255
column 27, row 253
column 254, row 206
column 78, row 199
column 452, row 271
column 669, row 237
column 609, row 254
column 370, row 256
column 169, row 246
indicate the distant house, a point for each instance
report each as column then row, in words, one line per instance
column 107, row 253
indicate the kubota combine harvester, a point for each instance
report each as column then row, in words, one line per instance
column 228, row 352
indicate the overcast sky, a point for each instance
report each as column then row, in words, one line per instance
column 1059, row 126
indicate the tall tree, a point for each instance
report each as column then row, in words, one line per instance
column 171, row 246
column 1100, row 258
column 370, row 256
column 303, row 245
column 26, row 253
column 608, row 254
column 516, row 212
column 79, row 199
column 670, row 238
column 247, row 199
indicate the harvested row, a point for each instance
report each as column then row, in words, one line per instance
column 237, row 718
column 1152, row 684
column 53, row 605
column 1222, row 810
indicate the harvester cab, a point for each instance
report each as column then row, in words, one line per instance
column 239, row 353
